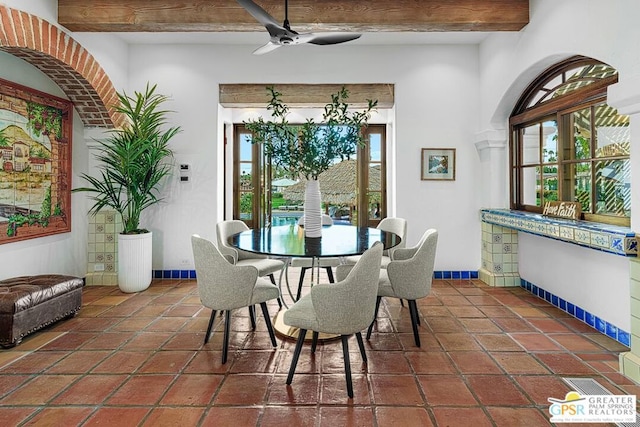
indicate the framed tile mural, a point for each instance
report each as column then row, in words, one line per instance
column 35, row 168
column 438, row 164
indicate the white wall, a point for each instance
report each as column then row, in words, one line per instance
column 595, row 281
column 604, row 30
column 436, row 90
column 62, row 253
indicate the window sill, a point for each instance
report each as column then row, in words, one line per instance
column 603, row 237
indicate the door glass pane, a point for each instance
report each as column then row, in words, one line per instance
column 245, row 147
column 612, row 132
column 246, row 181
column 582, row 133
column 613, row 187
column 374, row 205
column 375, row 178
column 531, row 186
column 375, row 144
column 246, row 206
column 531, row 144
column 375, row 195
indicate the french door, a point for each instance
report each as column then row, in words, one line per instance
column 253, row 175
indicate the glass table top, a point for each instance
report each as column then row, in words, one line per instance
column 289, row 241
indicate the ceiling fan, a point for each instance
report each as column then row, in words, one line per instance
column 282, row 35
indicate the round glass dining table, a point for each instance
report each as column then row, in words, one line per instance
column 289, row 241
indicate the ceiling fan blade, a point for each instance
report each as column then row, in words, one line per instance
column 328, row 38
column 259, row 13
column 266, row 48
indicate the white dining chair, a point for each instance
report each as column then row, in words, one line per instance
column 409, row 276
column 343, row 308
column 397, row 226
column 223, row 286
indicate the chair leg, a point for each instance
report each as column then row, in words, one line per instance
column 375, row 316
column 330, row 274
column 347, row 364
column 314, row 341
column 211, row 319
column 296, row 355
column 361, row 345
column 252, row 316
column 303, row 270
column 267, row 320
column 413, row 310
column 273, row 280
column 227, row 328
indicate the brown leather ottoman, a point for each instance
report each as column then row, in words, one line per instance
column 29, row 303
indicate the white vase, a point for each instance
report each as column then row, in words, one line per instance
column 312, row 210
column 134, row 261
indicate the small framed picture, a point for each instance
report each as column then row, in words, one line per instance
column 438, row 164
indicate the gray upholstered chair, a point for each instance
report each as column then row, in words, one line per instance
column 225, row 286
column 306, row 263
column 394, row 225
column 343, row 308
column 265, row 265
column 408, row 276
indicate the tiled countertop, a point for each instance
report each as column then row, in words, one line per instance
column 603, row 237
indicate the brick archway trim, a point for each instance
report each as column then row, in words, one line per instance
column 64, row 61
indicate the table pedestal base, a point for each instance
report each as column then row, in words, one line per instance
column 289, row 332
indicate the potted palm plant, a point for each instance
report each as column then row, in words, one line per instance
column 134, row 160
column 311, row 148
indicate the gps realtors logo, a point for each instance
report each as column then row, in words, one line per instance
column 576, row 408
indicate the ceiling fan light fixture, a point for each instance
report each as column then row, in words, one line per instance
column 283, row 35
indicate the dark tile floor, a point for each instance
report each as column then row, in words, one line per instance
column 489, row 357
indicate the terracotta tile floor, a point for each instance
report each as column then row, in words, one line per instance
column 489, row 357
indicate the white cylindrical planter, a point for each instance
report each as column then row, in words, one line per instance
column 134, row 261
column 312, row 209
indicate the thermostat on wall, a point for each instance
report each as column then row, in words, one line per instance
column 184, row 172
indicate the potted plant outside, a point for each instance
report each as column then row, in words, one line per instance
column 311, row 148
column 134, row 160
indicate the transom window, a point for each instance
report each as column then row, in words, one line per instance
column 568, row 144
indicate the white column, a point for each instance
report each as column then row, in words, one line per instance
column 492, row 146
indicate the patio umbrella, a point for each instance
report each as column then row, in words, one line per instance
column 283, row 182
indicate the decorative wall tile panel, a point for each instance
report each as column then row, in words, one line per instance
column 102, row 253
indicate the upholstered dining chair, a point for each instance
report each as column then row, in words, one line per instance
column 408, row 276
column 397, row 226
column 343, row 308
column 225, row 286
column 266, row 266
column 306, row 263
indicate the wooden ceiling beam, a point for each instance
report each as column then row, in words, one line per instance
column 304, row 95
column 304, row 15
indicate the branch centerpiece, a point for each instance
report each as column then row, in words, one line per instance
column 308, row 149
